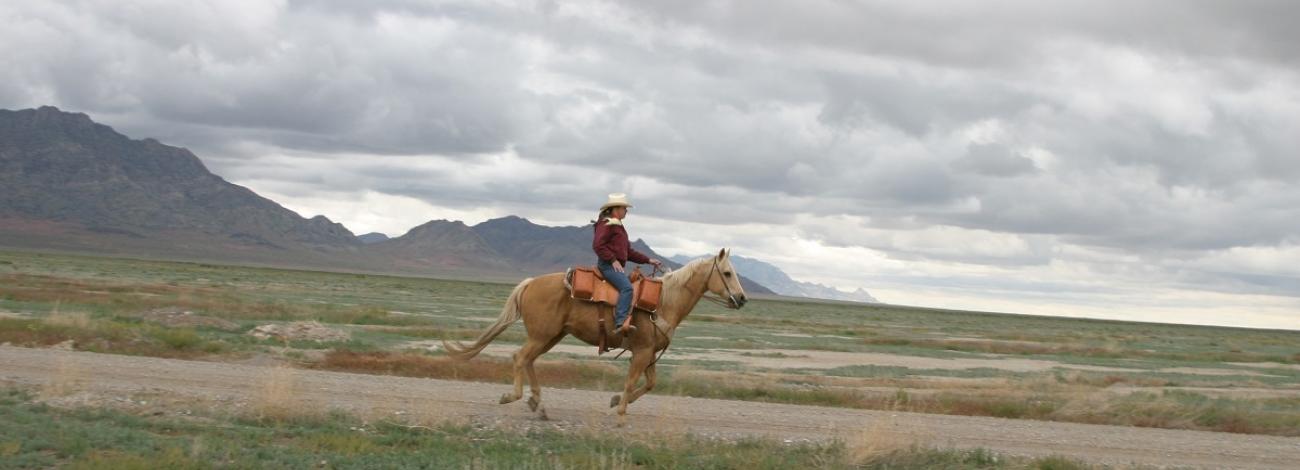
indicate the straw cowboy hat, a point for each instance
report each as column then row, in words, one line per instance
column 616, row 200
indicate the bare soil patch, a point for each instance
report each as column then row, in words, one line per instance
column 300, row 331
column 1212, row 371
column 9, row 314
column 175, row 317
column 1267, row 365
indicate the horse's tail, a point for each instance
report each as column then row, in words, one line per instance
column 509, row 315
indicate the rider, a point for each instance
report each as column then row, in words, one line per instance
column 614, row 250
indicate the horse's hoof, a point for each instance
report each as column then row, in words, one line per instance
column 541, row 414
column 615, row 400
column 533, row 403
column 508, row 398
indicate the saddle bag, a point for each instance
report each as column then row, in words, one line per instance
column 587, row 284
column 584, row 282
column 648, row 294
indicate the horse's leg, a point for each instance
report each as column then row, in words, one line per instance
column 535, row 401
column 639, row 364
column 529, row 350
column 649, row 384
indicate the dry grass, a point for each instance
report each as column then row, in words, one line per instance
column 10, row 448
column 131, row 299
column 68, row 377
column 1004, row 347
column 550, row 374
column 1044, row 398
column 1107, row 380
column 75, row 320
column 277, row 399
column 875, row 441
column 102, row 335
column 1110, row 349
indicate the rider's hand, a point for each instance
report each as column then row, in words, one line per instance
column 618, row 266
column 656, row 263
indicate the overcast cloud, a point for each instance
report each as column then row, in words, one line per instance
column 1107, row 159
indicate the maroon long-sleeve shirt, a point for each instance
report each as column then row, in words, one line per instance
column 611, row 244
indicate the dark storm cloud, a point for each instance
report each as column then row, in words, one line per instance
column 997, row 33
column 296, row 78
column 1165, row 129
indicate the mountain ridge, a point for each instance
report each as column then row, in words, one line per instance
column 778, row 281
column 72, row 184
column 64, row 167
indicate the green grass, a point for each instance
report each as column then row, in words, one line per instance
column 101, row 304
column 96, row 438
column 36, row 282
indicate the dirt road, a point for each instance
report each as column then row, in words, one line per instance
column 102, row 378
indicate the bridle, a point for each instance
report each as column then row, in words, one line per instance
column 733, row 304
column 728, row 302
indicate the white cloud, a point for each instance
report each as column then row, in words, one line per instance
column 973, row 156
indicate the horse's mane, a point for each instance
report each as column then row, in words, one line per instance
column 674, row 280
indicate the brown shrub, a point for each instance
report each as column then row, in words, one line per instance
column 998, row 347
column 550, row 374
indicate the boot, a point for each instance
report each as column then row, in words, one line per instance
column 618, row 330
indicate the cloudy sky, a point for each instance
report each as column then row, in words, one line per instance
column 1129, row 160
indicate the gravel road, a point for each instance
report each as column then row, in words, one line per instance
column 224, row 386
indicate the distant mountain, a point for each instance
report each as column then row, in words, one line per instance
column 372, row 237
column 68, row 180
column 781, row 283
column 818, row 291
column 67, row 183
column 439, row 243
column 538, row 248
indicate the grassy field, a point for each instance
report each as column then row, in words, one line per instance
column 859, row 356
column 77, row 438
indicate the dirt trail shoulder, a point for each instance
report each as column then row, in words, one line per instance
column 234, row 386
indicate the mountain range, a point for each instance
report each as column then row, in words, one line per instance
column 774, row 278
column 72, row 184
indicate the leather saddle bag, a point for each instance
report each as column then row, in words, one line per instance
column 587, row 284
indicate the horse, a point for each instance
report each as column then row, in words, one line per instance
column 549, row 314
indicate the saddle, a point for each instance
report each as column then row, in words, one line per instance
column 587, row 284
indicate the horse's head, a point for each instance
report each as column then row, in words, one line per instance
column 724, row 281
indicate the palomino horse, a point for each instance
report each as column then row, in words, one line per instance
column 549, row 314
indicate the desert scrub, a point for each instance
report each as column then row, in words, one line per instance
column 91, row 438
column 106, row 335
column 175, row 338
column 597, row 376
column 1187, row 410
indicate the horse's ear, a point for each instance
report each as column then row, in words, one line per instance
column 722, row 253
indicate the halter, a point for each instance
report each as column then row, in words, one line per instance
column 720, row 301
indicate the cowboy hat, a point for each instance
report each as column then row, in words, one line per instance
column 616, row 200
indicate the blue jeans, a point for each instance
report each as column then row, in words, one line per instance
column 624, row 286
